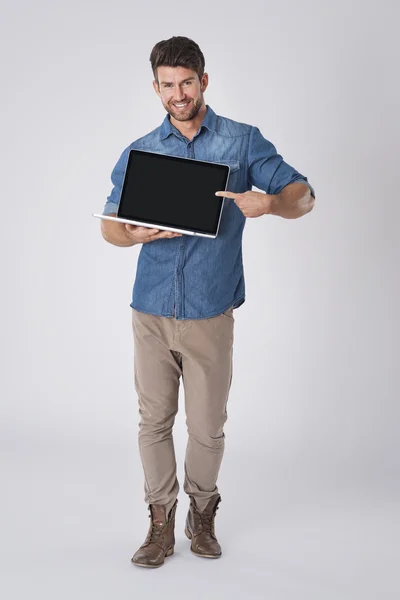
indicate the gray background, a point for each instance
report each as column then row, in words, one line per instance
column 310, row 478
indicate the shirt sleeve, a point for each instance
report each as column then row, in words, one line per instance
column 117, row 179
column 266, row 168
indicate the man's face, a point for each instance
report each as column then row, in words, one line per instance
column 180, row 91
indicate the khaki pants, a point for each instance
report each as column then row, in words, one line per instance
column 199, row 351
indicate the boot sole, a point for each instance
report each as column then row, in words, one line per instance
column 189, row 535
column 169, row 552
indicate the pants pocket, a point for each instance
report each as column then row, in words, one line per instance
column 228, row 313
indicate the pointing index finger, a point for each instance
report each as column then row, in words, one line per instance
column 227, row 194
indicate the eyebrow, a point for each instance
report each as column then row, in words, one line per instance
column 188, row 79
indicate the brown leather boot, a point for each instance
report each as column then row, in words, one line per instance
column 160, row 539
column 200, row 528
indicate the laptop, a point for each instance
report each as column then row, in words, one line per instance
column 172, row 193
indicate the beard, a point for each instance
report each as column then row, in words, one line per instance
column 185, row 115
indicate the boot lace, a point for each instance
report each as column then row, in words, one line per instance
column 205, row 520
column 156, row 533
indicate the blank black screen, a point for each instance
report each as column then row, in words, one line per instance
column 171, row 191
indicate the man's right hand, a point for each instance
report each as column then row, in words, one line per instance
column 125, row 234
column 143, row 235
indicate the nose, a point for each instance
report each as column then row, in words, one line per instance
column 179, row 94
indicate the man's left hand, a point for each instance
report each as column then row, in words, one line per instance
column 252, row 204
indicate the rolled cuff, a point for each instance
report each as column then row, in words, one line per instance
column 309, row 185
column 110, row 208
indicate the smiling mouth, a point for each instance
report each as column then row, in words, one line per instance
column 182, row 105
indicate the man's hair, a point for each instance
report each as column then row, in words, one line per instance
column 178, row 51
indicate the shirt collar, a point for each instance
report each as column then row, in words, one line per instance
column 209, row 122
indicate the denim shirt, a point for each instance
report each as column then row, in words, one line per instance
column 193, row 277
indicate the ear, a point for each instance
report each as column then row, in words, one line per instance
column 204, row 82
column 156, row 88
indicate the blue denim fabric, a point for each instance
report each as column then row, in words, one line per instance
column 191, row 277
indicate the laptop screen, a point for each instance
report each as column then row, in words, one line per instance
column 172, row 191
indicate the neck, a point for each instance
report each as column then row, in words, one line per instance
column 190, row 128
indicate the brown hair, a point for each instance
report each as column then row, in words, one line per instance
column 178, row 51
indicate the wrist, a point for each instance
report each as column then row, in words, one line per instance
column 272, row 204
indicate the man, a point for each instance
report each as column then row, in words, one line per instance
column 185, row 291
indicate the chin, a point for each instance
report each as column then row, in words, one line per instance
column 182, row 117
